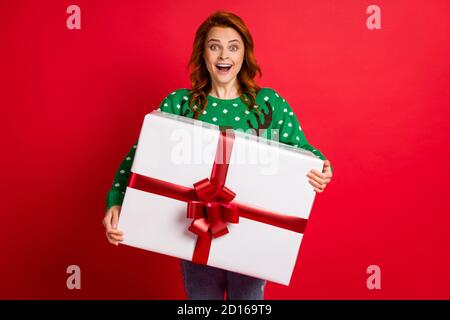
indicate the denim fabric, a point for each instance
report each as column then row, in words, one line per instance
column 203, row 282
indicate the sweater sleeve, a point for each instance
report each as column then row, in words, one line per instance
column 289, row 129
column 116, row 193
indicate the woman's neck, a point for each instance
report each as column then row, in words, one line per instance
column 227, row 91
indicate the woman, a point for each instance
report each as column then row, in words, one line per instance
column 223, row 68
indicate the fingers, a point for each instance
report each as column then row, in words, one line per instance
column 111, row 217
column 115, row 219
column 110, row 221
column 107, row 220
column 325, row 176
column 115, row 232
column 111, row 240
column 327, row 167
column 318, row 180
column 114, row 239
column 317, row 176
column 114, row 236
column 317, row 186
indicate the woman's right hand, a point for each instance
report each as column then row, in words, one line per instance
column 110, row 222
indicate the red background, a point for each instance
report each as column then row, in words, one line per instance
column 375, row 102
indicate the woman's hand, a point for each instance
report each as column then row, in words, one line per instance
column 110, row 222
column 319, row 180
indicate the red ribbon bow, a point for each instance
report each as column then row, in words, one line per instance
column 213, row 210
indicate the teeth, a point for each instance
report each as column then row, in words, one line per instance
column 223, row 65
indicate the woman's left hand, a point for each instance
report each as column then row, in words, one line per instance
column 319, row 180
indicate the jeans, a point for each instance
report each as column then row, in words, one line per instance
column 202, row 282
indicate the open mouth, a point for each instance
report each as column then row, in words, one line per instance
column 223, row 67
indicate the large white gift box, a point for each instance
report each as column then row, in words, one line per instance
column 262, row 181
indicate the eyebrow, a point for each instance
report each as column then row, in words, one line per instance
column 219, row 40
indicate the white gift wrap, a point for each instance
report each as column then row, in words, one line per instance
column 262, row 173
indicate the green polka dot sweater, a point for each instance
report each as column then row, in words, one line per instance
column 277, row 122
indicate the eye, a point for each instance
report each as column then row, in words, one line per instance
column 212, row 47
column 234, row 48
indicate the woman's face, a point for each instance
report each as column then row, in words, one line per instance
column 223, row 47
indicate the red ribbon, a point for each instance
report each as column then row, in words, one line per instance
column 210, row 203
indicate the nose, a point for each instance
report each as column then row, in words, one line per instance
column 223, row 55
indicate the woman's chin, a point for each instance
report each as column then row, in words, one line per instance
column 224, row 79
